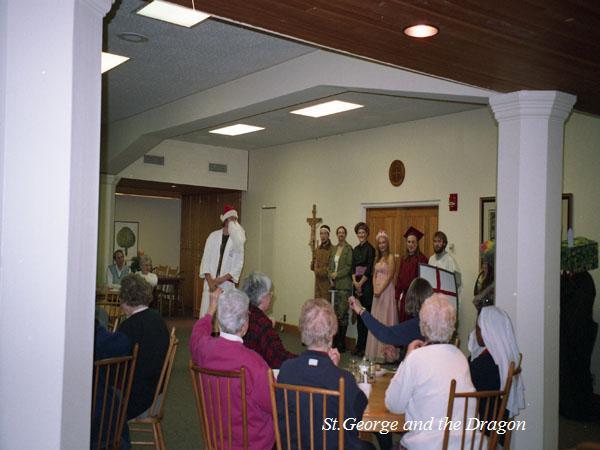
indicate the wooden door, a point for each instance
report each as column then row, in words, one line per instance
column 395, row 222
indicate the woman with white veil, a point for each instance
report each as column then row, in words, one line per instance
column 493, row 347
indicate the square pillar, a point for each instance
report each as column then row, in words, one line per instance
column 528, row 220
column 50, row 152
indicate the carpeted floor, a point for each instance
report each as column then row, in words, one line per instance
column 182, row 428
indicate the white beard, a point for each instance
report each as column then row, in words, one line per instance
column 237, row 235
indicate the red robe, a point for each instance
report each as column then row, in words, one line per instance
column 409, row 270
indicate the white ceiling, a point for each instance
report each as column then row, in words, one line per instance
column 177, row 62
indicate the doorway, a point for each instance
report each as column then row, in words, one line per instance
column 396, row 220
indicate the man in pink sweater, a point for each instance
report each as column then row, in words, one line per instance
column 228, row 353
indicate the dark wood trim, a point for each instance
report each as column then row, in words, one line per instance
column 504, row 46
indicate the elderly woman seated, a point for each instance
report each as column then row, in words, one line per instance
column 146, row 271
column 316, row 367
column 493, row 347
column 143, row 326
column 261, row 336
column 228, row 353
column 421, row 385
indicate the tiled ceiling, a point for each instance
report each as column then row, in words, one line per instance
column 176, row 61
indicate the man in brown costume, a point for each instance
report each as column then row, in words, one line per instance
column 321, row 263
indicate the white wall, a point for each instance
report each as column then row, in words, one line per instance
column 582, row 178
column 187, row 163
column 453, row 153
column 159, row 225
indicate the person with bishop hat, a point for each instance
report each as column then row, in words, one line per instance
column 409, row 269
column 223, row 256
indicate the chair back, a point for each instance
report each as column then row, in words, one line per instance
column 157, row 408
column 112, row 305
column 161, row 270
column 512, row 374
column 214, row 391
column 488, row 406
column 290, row 419
column 110, row 396
column 172, row 271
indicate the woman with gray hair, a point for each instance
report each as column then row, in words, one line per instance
column 421, row 385
column 228, row 353
column 261, row 336
column 143, row 326
column 317, row 367
column 146, row 271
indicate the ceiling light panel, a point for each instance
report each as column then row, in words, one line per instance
column 110, row 61
column 236, row 130
column 327, row 108
column 173, row 13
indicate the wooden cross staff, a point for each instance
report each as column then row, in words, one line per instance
column 312, row 222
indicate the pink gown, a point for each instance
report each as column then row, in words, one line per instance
column 384, row 310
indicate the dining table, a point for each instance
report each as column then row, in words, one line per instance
column 376, row 412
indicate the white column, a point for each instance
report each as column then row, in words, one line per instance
column 108, row 185
column 528, row 217
column 50, row 54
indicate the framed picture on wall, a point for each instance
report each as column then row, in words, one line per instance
column 126, row 238
column 487, row 220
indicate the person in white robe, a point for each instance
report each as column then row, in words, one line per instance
column 442, row 259
column 223, row 256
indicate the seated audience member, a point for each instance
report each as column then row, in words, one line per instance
column 316, row 367
column 106, row 345
column 147, row 328
column 228, row 353
column 405, row 332
column 117, row 271
column 261, row 336
column 491, row 354
column 145, row 271
column 421, row 385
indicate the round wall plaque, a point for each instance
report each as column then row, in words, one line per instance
column 397, row 172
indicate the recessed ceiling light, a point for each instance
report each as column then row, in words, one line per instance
column 327, row 108
column 173, row 13
column 237, row 129
column 421, row 31
column 110, row 61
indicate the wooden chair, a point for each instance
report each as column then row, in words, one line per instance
column 110, row 396
column 509, row 381
column 290, row 399
column 489, row 405
column 161, row 270
column 213, row 390
column 168, row 294
column 112, row 305
column 151, row 420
